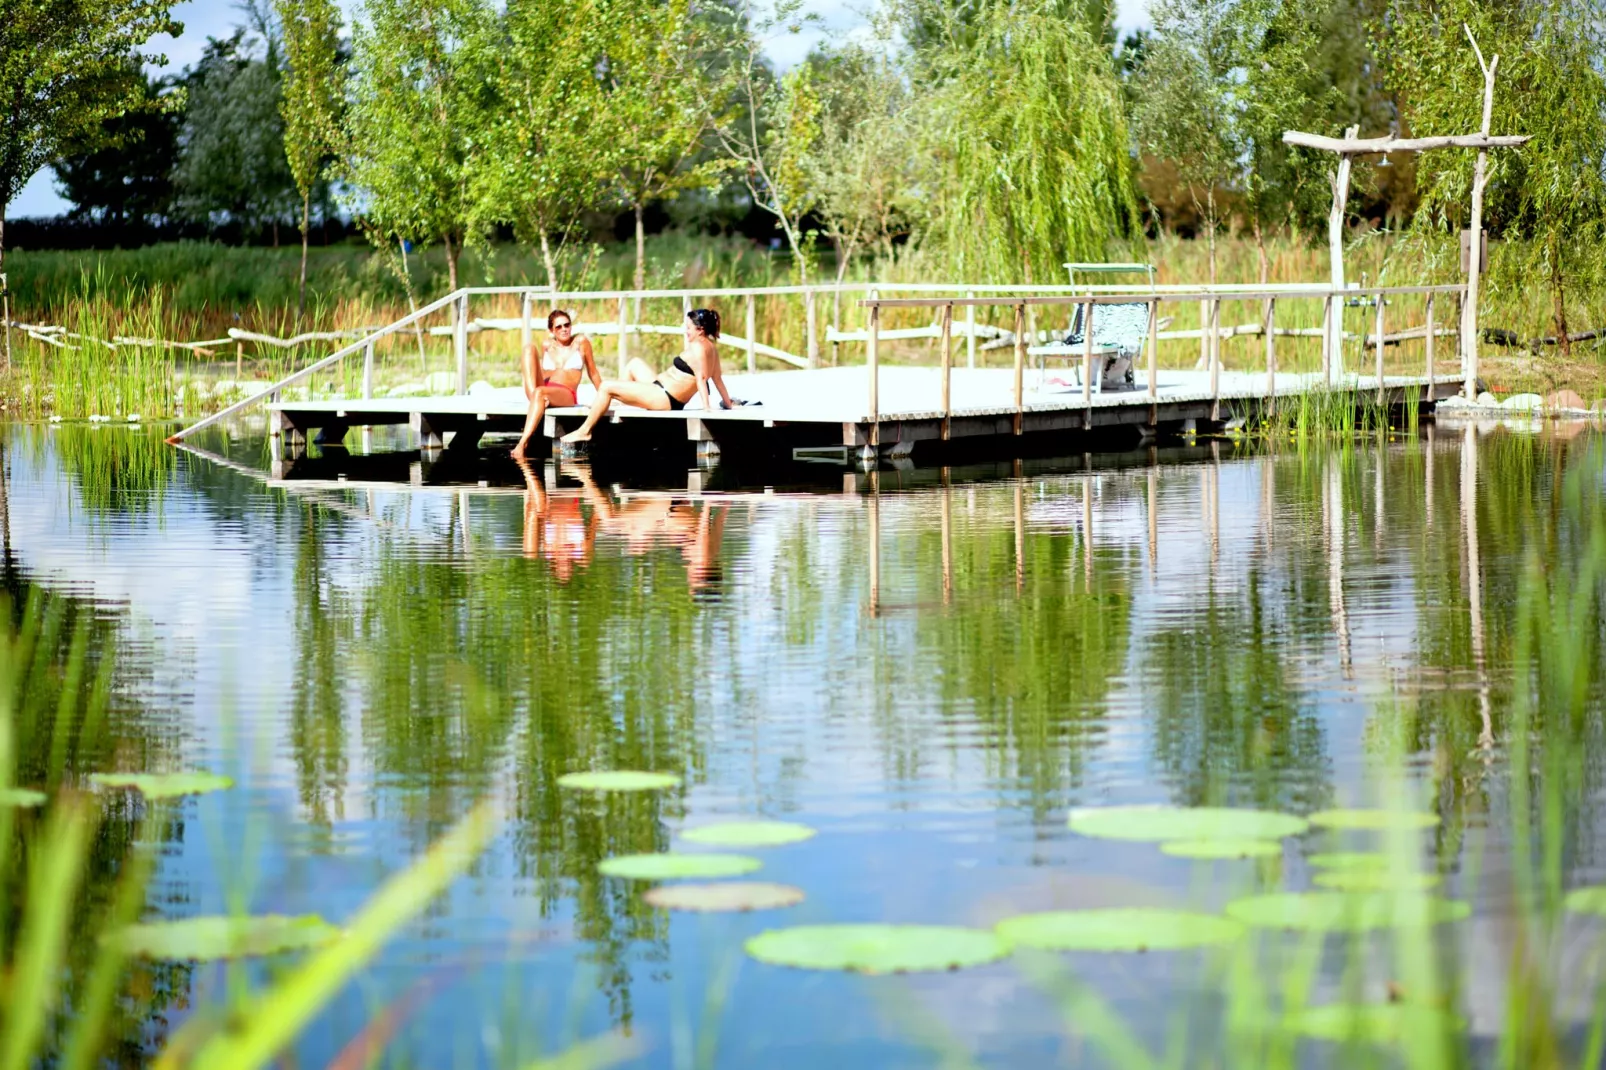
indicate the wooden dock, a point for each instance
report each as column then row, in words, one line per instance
column 824, row 409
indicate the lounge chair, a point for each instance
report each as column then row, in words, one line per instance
column 1119, row 334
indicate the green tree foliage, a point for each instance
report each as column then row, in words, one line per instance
column 66, row 66
column 1549, row 84
column 231, row 164
column 123, row 171
column 658, row 82
column 311, row 102
column 1029, row 139
column 423, row 98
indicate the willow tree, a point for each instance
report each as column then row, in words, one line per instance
column 310, row 104
column 1549, row 85
column 1030, row 137
column 423, row 97
column 66, row 66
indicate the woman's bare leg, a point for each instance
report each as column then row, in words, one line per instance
column 641, row 395
column 543, row 397
column 639, row 371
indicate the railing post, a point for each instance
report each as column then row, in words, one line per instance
column 368, row 371
column 624, row 336
column 1087, row 363
column 1215, row 358
column 752, row 328
column 811, row 316
column 1379, row 361
column 685, row 305
column 1469, row 355
column 1327, row 339
column 947, row 366
column 1020, row 366
column 875, row 371
column 970, row 332
column 1271, row 354
column 1430, row 347
column 1154, row 348
column 462, row 344
column 526, row 334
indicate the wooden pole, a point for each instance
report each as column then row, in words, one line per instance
column 624, row 336
column 970, row 332
column 875, row 371
column 1430, row 347
column 239, row 358
column 1154, row 348
column 875, row 528
column 1215, row 358
column 368, row 371
column 1327, row 340
column 811, row 315
column 526, row 333
column 1204, row 335
column 1480, row 176
column 462, row 344
column 1087, row 364
column 1020, row 367
column 947, row 538
column 1335, row 256
column 1271, row 354
column 946, row 345
column 1020, row 531
column 752, row 329
column 1379, row 358
column 836, row 323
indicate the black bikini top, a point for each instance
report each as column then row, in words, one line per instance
column 680, row 363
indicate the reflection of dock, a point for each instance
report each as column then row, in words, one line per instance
column 825, row 407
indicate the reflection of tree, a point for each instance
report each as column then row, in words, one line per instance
column 317, row 709
column 117, row 470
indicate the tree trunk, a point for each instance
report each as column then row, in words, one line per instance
column 452, row 253
column 1210, row 229
column 275, row 233
column 5, row 290
column 551, row 264
column 306, row 230
column 1260, row 249
column 641, row 257
column 1559, row 296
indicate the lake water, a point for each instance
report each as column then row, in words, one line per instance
column 931, row 667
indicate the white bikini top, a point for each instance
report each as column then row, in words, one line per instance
column 573, row 362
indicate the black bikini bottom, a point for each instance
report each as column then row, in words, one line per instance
column 675, row 404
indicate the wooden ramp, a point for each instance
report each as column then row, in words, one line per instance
column 827, row 408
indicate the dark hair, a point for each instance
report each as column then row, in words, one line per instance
column 554, row 314
column 705, row 319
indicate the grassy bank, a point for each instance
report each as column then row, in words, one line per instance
column 195, row 291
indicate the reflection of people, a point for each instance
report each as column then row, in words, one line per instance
column 675, row 386
column 552, row 376
column 556, row 529
column 701, row 551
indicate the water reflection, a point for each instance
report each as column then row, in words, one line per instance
column 931, row 665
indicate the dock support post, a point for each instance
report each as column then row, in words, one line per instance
column 1154, row 349
column 875, row 371
column 947, row 368
column 875, row 531
column 624, row 337
column 1271, row 354
column 1327, row 340
column 1020, row 366
column 752, row 328
column 526, row 333
column 368, row 371
column 1429, row 340
column 812, row 317
column 1087, row 364
column 461, row 344
column 970, row 331
column 1379, row 358
column 947, row 538
column 1215, row 358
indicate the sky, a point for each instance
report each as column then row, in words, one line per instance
column 217, row 18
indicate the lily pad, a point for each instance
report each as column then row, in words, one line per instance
column 1343, row 911
column 748, row 834
column 206, row 938
column 1118, row 929
column 1177, row 823
column 1374, row 820
column 619, row 780
column 164, row 785
column 1350, row 860
column 1588, row 900
column 740, row 896
column 1378, row 1023
column 1222, row 848
column 671, row 866
column 877, row 948
column 1375, row 880
column 26, row 798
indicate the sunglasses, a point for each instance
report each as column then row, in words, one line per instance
column 561, row 326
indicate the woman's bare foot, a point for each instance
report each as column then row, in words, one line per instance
column 575, row 436
column 518, row 450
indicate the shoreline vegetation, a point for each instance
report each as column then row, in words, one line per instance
column 184, row 292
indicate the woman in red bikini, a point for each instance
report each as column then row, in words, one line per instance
column 567, row 356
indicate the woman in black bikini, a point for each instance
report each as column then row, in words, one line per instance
column 687, row 377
